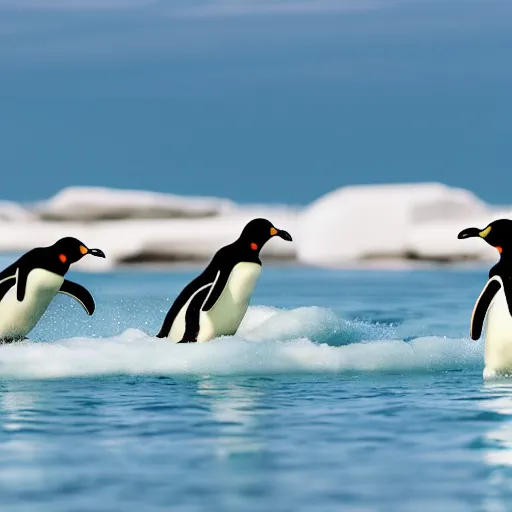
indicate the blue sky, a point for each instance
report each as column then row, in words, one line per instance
column 256, row 100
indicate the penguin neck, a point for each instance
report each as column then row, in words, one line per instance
column 504, row 266
column 46, row 260
column 250, row 247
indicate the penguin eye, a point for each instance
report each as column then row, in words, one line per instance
column 63, row 258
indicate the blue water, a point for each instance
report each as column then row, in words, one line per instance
column 344, row 390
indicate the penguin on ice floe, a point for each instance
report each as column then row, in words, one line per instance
column 495, row 300
column 29, row 285
column 215, row 302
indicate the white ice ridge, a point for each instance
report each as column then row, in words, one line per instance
column 302, row 340
column 419, row 221
column 133, row 226
column 99, row 203
column 135, row 353
column 350, row 224
column 11, row 211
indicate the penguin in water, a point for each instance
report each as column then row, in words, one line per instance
column 495, row 300
column 215, row 302
column 29, row 285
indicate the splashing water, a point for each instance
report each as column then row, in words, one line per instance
column 307, row 339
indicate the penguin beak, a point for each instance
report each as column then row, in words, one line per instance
column 468, row 233
column 473, row 232
column 96, row 252
column 281, row 233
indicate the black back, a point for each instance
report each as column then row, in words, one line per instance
column 223, row 261
column 503, row 269
column 55, row 258
column 36, row 258
column 481, row 307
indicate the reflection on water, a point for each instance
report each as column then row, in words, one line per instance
column 498, row 446
column 234, row 408
column 499, row 439
column 19, row 453
column 14, row 405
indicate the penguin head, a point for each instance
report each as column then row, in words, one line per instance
column 498, row 234
column 259, row 231
column 70, row 250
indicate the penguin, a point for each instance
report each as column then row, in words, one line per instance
column 29, row 285
column 215, row 302
column 494, row 304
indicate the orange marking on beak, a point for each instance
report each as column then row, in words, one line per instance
column 63, row 258
column 84, row 249
column 273, row 231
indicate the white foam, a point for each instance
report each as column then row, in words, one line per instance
column 270, row 341
column 263, row 323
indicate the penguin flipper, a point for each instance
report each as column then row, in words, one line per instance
column 8, row 272
column 481, row 306
column 80, row 294
column 6, row 285
column 192, row 324
column 21, row 282
column 19, row 270
column 176, row 307
column 507, row 288
column 216, row 290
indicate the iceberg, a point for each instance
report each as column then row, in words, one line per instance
column 11, row 211
column 97, row 203
column 353, row 225
column 419, row 221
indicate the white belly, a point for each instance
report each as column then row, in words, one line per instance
column 227, row 314
column 498, row 337
column 229, row 310
column 17, row 319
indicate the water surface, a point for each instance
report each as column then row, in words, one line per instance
column 343, row 390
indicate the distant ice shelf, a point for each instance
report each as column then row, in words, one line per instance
column 347, row 226
column 404, row 221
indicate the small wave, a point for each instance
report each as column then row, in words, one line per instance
column 269, row 341
column 263, row 323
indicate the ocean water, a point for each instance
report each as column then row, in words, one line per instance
column 343, row 390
